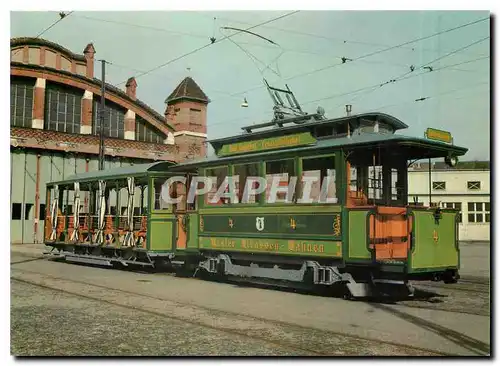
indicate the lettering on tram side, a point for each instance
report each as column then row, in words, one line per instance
column 336, row 225
column 222, row 243
column 304, row 246
column 272, row 245
column 256, row 244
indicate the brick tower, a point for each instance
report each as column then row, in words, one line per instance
column 186, row 111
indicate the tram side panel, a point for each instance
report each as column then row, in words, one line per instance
column 292, row 234
column 434, row 247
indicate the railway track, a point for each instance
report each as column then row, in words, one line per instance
column 428, row 295
column 266, row 330
column 27, row 260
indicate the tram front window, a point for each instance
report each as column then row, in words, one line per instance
column 377, row 182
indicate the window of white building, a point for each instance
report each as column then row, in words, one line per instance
column 474, row 185
column 478, row 212
column 439, row 186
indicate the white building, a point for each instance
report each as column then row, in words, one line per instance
column 465, row 187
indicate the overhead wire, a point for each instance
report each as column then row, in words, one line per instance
column 128, row 24
column 366, row 88
column 62, row 16
column 342, row 40
column 372, row 53
column 123, row 66
column 436, row 96
column 285, row 49
column 425, row 65
column 209, row 44
column 369, row 88
column 255, row 58
column 53, row 24
column 468, row 87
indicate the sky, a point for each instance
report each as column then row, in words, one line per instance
column 458, row 97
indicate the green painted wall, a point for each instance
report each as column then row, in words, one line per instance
column 434, row 245
column 161, row 233
column 193, row 231
column 280, row 224
column 358, row 235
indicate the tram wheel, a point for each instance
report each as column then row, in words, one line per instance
column 347, row 295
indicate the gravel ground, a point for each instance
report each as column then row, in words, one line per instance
column 50, row 323
column 463, row 297
column 71, row 325
column 177, row 319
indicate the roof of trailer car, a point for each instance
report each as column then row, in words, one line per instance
column 321, row 144
column 127, row 171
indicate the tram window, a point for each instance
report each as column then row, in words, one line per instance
column 284, row 169
column 27, row 211
column 16, row 211
column 137, row 211
column 243, row 172
column 395, row 189
column 342, row 129
column 190, row 206
column 353, row 183
column 220, row 174
column 159, row 203
column 112, row 196
column 112, row 210
column 324, row 131
column 178, row 190
column 42, row 211
column 366, row 127
column 145, row 201
column 384, row 128
column 319, row 168
column 375, row 182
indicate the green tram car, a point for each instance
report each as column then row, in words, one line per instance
column 364, row 237
column 368, row 234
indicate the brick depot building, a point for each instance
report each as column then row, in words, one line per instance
column 54, row 126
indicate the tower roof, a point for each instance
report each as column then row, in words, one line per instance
column 188, row 89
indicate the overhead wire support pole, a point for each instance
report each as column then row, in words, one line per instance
column 430, row 184
column 102, row 114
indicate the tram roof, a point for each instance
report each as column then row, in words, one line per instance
column 122, row 172
column 392, row 121
column 422, row 148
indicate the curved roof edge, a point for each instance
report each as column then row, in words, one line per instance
column 396, row 123
column 132, row 170
column 97, row 82
column 358, row 141
column 21, row 41
column 391, row 120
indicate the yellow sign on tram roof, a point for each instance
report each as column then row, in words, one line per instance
column 271, row 143
column 439, row 135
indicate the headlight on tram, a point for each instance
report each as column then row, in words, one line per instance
column 451, row 161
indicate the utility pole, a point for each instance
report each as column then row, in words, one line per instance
column 101, row 127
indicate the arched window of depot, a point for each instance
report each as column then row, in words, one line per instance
column 147, row 133
column 63, row 108
column 114, row 119
column 21, row 101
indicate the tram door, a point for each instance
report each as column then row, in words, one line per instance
column 180, row 211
